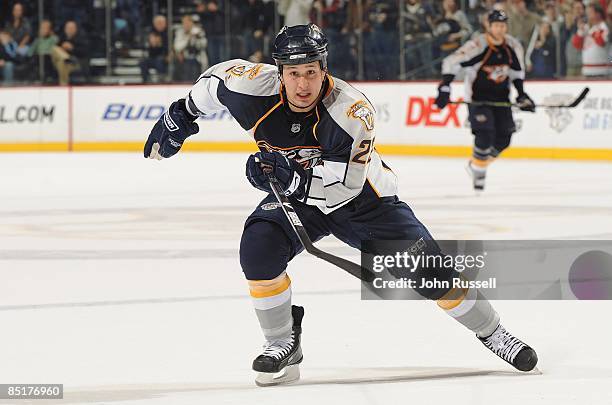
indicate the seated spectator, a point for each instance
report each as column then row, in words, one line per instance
column 8, row 57
column 609, row 13
column 483, row 25
column 157, row 47
column 72, row 10
column 255, row 21
column 20, row 29
column 477, row 9
column 418, row 20
column 593, row 39
column 190, row 50
column 573, row 56
column 127, row 21
column 213, row 21
column 522, row 22
column 296, row 12
column 42, row 46
column 544, row 54
column 330, row 15
column 451, row 29
column 71, row 54
column 381, row 42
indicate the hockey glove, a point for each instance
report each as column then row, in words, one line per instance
column 290, row 174
column 170, row 131
column 443, row 95
column 525, row 103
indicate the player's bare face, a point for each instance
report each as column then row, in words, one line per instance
column 303, row 85
column 498, row 31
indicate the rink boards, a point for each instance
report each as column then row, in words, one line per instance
column 118, row 118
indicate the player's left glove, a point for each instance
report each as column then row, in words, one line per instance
column 525, row 103
column 290, row 174
column 170, row 131
column 443, row 96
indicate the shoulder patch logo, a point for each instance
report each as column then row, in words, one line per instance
column 241, row 70
column 361, row 110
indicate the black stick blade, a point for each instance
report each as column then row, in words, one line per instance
column 580, row 97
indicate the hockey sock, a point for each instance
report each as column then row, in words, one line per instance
column 470, row 308
column 481, row 154
column 272, row 302
column 479, row 166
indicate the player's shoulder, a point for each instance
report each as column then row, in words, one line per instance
column 241, row 76
column 513, row 42
column 347, row 106
column 480, row 41
column 474, row 45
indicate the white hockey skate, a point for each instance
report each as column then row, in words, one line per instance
column 279, row 362
column 511, row 349
column 478, row 177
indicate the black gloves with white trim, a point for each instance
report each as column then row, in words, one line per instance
column 524, row 102
column 170, row 131
column 290, row 174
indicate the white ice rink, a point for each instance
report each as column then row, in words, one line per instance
column 120, row 279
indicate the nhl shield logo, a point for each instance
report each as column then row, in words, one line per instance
column 295, row 128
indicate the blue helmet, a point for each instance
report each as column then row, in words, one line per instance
column 300, row 44
column 498, row 16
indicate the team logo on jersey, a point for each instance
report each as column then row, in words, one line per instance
column 497, row 73
column 361, row 110
column 560, row 118
column 295, row 128
column 241, row 70
column 270, row 206
column 307, row 156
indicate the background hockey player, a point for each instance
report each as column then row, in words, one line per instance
column 316, row 133
column 491, row 62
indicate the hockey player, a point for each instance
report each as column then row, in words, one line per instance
column 316, row 133
column 491, row 63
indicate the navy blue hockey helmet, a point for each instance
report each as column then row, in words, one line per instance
column 498, row 16
column 300, row 44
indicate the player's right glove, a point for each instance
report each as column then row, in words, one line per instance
column 443, row 95
column 525, row 103
column 290, row 175
column 170, row 131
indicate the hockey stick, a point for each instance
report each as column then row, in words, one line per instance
column 352, row 268
column 573, row 104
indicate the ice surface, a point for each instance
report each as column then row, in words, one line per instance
column 120, row 279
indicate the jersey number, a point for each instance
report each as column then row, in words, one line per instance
column 365, row 150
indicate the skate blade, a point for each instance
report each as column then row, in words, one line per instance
column 287, row 375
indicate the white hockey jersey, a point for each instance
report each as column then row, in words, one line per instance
column 489, row 69
column 334, row 142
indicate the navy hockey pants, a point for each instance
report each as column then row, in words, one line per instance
column 268, row 242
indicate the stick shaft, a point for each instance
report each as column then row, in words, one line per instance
column 573, row 104
column 348, row 266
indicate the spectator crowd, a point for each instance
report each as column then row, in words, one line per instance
column 369, row 40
